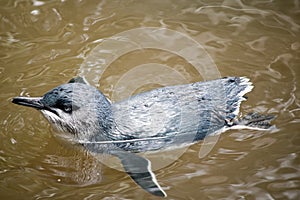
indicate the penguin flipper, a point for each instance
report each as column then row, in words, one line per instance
column 139, row 169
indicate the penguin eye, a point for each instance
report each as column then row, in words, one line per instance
column 67, row 109
column 64, row 106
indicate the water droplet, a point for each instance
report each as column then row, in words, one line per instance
column 13, row 141
column 35, row 12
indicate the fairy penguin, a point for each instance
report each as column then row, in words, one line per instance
column 162, row 118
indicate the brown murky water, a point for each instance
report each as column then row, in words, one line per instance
column 44, row 44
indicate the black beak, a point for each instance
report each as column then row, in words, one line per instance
column 34, row 102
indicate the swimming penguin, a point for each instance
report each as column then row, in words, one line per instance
column 155, row 120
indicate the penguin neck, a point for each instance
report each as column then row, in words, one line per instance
column 105, row 121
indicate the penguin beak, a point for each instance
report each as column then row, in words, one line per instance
column 34, row 102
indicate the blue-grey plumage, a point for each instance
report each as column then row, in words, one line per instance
column 179, row 114
column 162, row 118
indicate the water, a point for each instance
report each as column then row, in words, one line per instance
column 44, row 44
